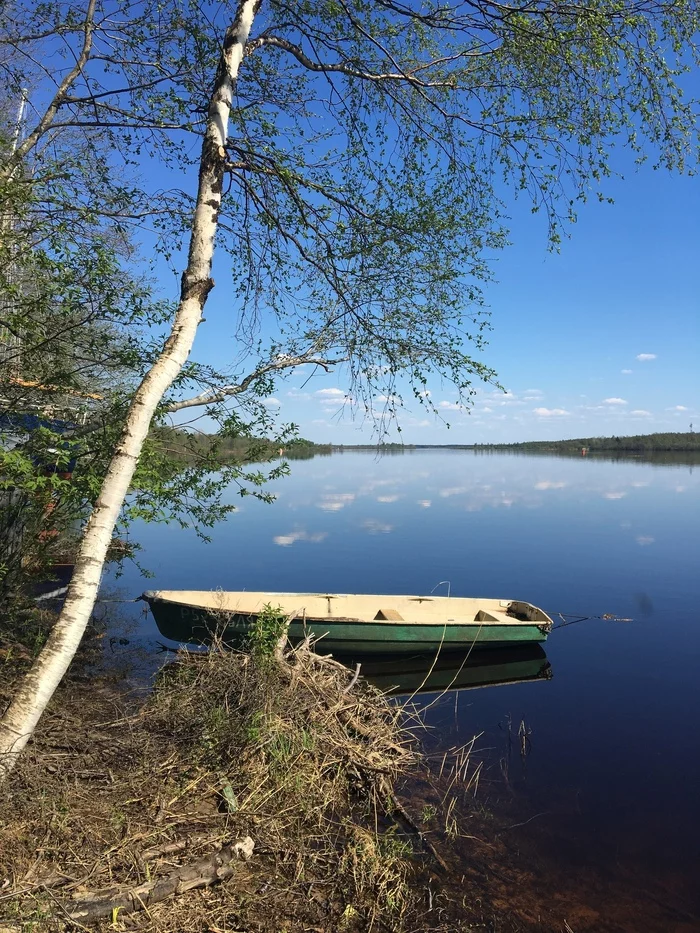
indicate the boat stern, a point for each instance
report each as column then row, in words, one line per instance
column 526, row 612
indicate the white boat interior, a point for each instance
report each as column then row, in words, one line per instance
column 417, row 610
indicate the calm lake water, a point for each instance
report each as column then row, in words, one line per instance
column 608, row 789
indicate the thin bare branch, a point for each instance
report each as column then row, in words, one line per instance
column 213, row 396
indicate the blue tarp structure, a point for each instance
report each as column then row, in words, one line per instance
column 16, row 423
column 28, row 423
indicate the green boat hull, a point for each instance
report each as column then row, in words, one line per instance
column 197, row 625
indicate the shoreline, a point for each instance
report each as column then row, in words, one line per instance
column 372, row 825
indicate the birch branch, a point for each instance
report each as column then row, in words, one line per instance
column 59, row 97
column 212, row 396
column 345, row 69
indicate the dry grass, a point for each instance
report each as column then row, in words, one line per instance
column 118, row 793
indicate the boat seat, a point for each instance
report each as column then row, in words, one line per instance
column 388, row 615
column 482, row 616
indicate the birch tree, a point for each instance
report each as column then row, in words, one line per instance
column 356, row 164
column 42, row 680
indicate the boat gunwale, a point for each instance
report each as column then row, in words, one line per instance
column 545, row 625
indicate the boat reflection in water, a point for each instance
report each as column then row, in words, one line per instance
column 452, row 671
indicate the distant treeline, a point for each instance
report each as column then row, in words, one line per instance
column 675, row 441
column 188, row 447
column 636, row 442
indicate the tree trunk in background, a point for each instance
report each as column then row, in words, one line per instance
column 35, row 692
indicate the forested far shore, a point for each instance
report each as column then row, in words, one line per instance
column 186, row 446
column 688, row 440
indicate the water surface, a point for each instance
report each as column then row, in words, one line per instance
column 609, row 781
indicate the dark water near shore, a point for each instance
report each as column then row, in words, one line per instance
column 608, row 787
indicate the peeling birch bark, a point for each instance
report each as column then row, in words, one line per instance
column 37, row 688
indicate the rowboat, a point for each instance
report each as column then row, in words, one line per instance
column 366, row 624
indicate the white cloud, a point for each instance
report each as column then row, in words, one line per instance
column 503, row 398
column 550, row 412
column 424, row 394
column 450, row 406
column 295, row 393
column 614, row 495
column 641, row 413
column 534, row 392
column 387, row 498
column 330, row 393
column 615, row 401
column 645, row 357
column 549, row 484
column 390, row 399
column 644, row 540
column 271, row 402
column 626, row 372
column 330, row 406
column 425, row 503
column 678, row 408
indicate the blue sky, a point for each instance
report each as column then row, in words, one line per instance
column 600, row 338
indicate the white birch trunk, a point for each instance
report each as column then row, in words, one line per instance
column 35, row 692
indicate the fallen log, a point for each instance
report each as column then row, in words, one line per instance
column 200, row 874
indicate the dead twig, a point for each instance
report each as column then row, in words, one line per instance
column 200, row 874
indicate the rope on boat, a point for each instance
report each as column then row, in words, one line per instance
column 571, row 618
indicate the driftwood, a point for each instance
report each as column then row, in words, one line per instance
column 200, row 874
column 196, row 841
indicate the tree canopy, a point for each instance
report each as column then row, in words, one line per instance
column 371, row 154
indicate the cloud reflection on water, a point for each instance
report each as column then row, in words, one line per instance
column 300, row 535
column 375, row 527
column 334, row 502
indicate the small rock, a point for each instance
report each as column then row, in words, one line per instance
column 244, row 848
